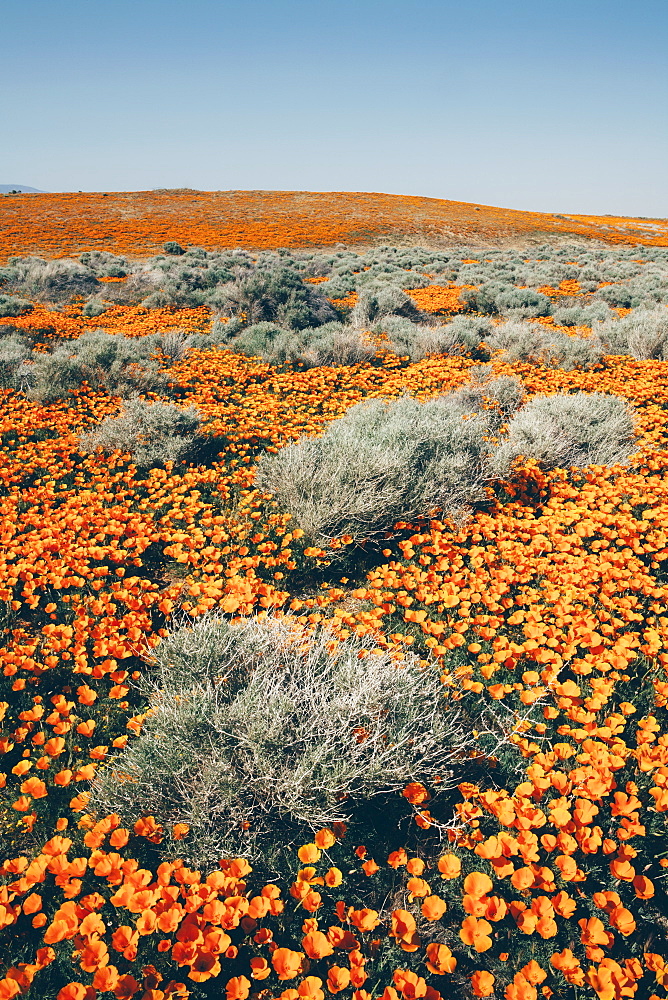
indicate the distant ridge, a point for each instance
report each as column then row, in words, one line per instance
column 139, row 223
column 20, row 188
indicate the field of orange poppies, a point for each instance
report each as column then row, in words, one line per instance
column 138, row 223
column 540, row 871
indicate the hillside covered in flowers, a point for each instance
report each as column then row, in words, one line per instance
column 299, row 696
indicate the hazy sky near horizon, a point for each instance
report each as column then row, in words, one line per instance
column 546, row 105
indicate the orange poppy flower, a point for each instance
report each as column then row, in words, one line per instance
column 316, row 945
column 440, row 959
column 338, row 978
column 287, row 963
column 449, row 866
column 482, row 983
column 476, row 933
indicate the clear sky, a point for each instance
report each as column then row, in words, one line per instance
column 548, row 105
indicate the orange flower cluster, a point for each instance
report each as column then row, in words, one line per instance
column 438, row 298
column 44, row 325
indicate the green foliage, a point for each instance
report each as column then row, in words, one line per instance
column 377, row 301
column 461, row 336
column 54, row 280
column 579, row 315
column 522, row 303
column 329, row 344
column 94, row 307
column 105, row 264
column 259, row 725
column 153, row 433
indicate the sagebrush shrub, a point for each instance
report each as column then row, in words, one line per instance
column 332, row 344
column 14, row 352
column 523, row 303
column 121, row 365
column 276, row 295
column 94, row 307
column 539, row 345
column 385, row 461
column 11, row 305
column 153, row 433
column 329, row 344
column 619, row 296
column 643, row 334
column 105, row 264
column 484, row 298
column 54, row 280
column 569, row 430
column 174, row 344
column 259, row 725
column 578, row 315
column 419, row 341
column 377, row 301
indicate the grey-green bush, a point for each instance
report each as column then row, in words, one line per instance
column 523, row 303
column 329, row 344
column 484, row 298
column 120, row 365
column 332, row 344
column 643, row 334
column 385, row 461
column 276, row 295
column 569, row 430
column 153, row 433
column 420, row 341
column 55, row 280
column 375, row 302
column 14, row 352
column 11, row 305
column 255, row 723
column 95, row 307
column 578, row 315
column 174, row 344
column 540, row 345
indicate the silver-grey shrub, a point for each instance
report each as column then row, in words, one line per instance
column 540, row 345
column 14, row 352
column 120, row 365
column 419, row 341
column 174, row 344
column 332, row 344
column 153, row 433
column 329, row 344
column 385, row 461
column 95, row 307
column 643, row 334
column 259, row 723
column 579, row 315
column 565, row 430
column 53, row 280
column 379, row 300
column 11, row 305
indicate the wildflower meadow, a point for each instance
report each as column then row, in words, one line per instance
column 333, row 583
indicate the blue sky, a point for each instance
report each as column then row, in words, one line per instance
column 548, row 105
